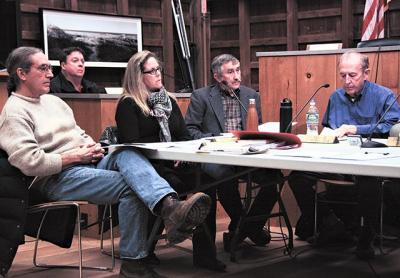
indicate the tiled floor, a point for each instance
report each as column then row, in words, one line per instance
column 270, row 261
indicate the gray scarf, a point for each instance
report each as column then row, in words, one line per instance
column 161, row 108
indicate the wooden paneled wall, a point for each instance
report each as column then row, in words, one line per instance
column 240, row 27
column 158, row 32
column 244, row 27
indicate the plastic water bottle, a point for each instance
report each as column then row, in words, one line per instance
column 252, row 116
column 312, row 119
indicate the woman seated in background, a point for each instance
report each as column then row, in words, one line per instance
column 147, row 113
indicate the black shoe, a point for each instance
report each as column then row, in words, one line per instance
column 181, row 217
column 209, row 263
column 259, row 237
column 152, row 259
column 137, row 268
column 332, row 230
column 304, row 228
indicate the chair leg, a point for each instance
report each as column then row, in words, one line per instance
column 247, row 205
column 153, row 235
column 112, row 240
column 283, row 213
column 78, row 219
column 80, row 266
column 246, row 209
column 103, row 251
column 37, row 240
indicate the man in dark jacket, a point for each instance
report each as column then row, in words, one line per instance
column 214, row 110
column 70, row 79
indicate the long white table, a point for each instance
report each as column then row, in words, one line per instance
column 339, row 158
column 330, row 158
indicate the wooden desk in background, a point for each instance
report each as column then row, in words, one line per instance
column 297, row 74
column 3, row 88
column 94, row 112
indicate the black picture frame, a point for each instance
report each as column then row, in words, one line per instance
column 108, row 40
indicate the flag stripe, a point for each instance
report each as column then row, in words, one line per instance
column 373, row 22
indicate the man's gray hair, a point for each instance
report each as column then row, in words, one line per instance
column 19, row 58
column 219, row 60
column 364, row 62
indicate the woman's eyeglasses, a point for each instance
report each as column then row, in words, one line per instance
column 153, row 71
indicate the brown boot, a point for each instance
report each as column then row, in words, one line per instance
column 181, row 217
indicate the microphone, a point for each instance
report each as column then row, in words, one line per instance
column 224, row 85
column 304, row 106
column 373, row 144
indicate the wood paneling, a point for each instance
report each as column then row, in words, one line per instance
column 239, row 27
column 3, row 90
column 277, row 81
column 244, row 38
column 311, row 73
column 94, row 115
column 292, row 25
column 347, row 20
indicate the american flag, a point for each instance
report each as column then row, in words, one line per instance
column 373, row 24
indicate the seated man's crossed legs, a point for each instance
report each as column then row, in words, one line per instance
column 229, row 197
column 128, row 177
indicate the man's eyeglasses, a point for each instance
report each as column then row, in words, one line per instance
column 153, row 71
column 44, row 68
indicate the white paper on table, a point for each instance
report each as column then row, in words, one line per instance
column 328, row 131
column 271, row 126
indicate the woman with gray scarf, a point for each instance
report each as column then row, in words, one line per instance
column 147, row 113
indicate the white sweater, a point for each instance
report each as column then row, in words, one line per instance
column 34, row 132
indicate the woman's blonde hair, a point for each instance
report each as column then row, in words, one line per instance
column 133, row 85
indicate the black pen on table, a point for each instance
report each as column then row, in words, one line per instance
column 377, row 153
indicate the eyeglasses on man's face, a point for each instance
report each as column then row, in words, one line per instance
column 153, row 71
column 44, row 68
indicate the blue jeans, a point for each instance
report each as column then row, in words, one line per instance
column 124, row 176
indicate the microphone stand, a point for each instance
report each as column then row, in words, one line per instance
column 241, row 104
column 304, row 106
column 373, row 144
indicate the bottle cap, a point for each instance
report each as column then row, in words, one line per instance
column 286, row 102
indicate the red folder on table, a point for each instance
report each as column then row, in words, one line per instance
column 289, row 139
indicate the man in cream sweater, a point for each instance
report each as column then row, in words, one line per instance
column 41, row 138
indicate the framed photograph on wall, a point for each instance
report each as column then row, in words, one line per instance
column 108, row 40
